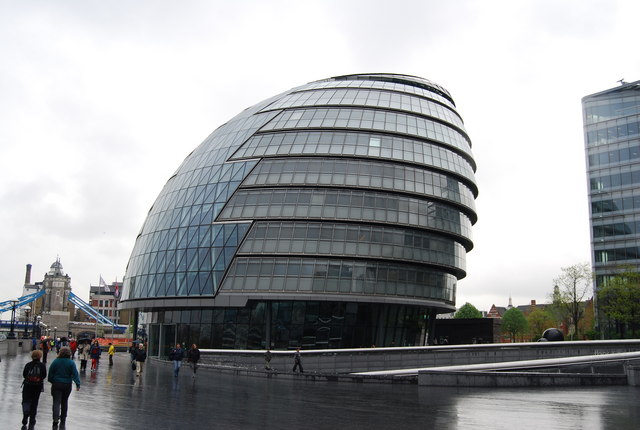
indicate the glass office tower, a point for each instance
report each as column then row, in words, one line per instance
column 612, row 141
column 337, row 214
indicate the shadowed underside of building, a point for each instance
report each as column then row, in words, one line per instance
column 337, row 214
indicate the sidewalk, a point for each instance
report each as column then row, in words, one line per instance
column 114, row 399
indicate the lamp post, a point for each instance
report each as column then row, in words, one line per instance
column 55, row 330
column 36, row 323
column 26, row 309
column 12, row 334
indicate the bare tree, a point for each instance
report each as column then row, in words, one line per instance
column 572, row 288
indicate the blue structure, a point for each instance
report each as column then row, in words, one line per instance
column 7, row 305
column 337, row 214
column 21, row 301
column 84, row 306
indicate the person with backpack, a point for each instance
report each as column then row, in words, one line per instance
column 193, row 356
column 62, row 374
column 94, row 353
column 34, row 373
column 176, row 355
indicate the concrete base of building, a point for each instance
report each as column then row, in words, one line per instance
column 633, row 374
column 12, row 346
column 517, row 379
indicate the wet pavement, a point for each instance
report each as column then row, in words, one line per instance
column 114, row 398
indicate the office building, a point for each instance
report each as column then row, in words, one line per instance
column 337, row 214
column 612, row 141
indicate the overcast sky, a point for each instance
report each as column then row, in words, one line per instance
column 100, row 101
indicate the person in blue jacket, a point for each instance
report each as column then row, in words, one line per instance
column 62, row 373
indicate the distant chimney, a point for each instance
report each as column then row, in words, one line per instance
column 533, row 302
column 27, row 276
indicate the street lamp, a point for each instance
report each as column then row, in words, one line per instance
column 12, row 334
column 55, row 329
column 36, row 323
column 26, row 309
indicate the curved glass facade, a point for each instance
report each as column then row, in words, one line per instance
column 337, row 214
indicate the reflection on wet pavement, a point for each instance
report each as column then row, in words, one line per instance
column 114, row 398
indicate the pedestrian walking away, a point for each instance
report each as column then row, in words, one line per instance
column 62, row 373
column 267, row 360
column 83, row 355
column 141, row 356
column 44, row 346
column 112, row 350
column 176, row 355
column 34, row 373
column 193, row 356
column 73, row 344
column 297, row 362
column 94, row 353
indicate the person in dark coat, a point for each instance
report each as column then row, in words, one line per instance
column 94, row 353
column 34, row 374
column 44, row 345
column 176, row 355
column 267, row 360
column 297, row 361
column 193, row 356
column 141, row 356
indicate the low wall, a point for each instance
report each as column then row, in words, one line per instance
column 338, row 361
column 308, row 376
column 516, row 379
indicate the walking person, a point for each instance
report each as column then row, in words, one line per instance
column 83, row 354
column 297, row 362
column 176, row 355
column 141, row 356
column 44, row 345
column 34, row 373
column 133, row 350
column 112, row 350
column 193, row 356
column 73, row 344
column 267, row 360
column 62, row 373
column 94, row 353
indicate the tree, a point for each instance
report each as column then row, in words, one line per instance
column 539, row 320
column 468, row 311
column 572, row 288
column 619, row 301
column 514, row 323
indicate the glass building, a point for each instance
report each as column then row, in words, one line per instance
column 612, row 141
column 337, row 214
